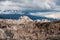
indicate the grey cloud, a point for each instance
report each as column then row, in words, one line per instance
column 35, row 5
column 2, row 0
column 57, row 2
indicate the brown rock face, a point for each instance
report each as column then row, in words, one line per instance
column 27, row 29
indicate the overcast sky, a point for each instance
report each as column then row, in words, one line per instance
column 33, row 6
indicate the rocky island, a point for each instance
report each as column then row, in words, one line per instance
column 25, row 28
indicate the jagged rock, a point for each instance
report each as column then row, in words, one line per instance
column 25, row 28
column 37, row 20
column 45, row 20
column 24, row 19
column 41, row 21
column 2, row 34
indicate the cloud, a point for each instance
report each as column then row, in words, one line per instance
column 38, row 7
column 38, row 4
column 30, row 4
column 2, row 0
column 54, row 15
column 47, row 14
column 6, row 5
column 57, row 2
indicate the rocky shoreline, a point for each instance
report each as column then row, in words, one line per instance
column 25, row 28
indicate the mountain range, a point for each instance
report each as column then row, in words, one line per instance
column 16, row 16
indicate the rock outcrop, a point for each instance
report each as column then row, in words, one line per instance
column 25, row 28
